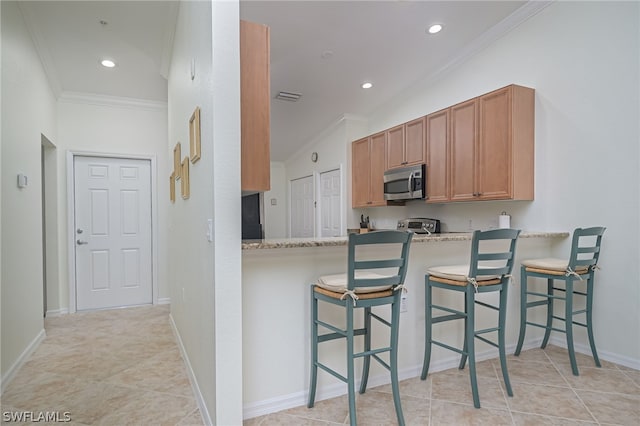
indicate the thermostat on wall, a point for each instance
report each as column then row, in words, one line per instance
column 22, row 181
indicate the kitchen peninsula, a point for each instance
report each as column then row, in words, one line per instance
column 276, row 275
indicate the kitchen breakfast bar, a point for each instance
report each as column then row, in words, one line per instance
column 277, row 273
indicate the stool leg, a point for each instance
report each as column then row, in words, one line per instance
column 350, row 369
column 523, row 309
column 592, row 342
column 547, row 332
column 393, row 356
column 427, row 327
column 314, row 350
column 470, row 344
column 568, row 315
column 463, row 357
column 367, row 347
column 502, row 315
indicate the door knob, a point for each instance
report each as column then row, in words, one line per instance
column 79, row 230
column 80, row 242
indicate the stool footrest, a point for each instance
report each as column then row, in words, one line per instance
column 380, row 319
column 487, row 330
column 371, row 352
column 486, row 305
column 451, row 348
column 544, row 326
column 582, row 311
column 444, row 318
column 381, row 361
column 574, row 292
column 444, row 308
column 580, row 324
column 537, row 303
column 340, row 335
column 487, row 341
column 332, row 372
column 533, row 293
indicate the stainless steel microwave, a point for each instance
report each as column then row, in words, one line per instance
column 407, row 183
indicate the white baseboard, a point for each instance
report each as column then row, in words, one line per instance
column 192, row 378
column 298, row 399
column 24, row 356
column 57, row 312
column 164, row 301
column 605, row 355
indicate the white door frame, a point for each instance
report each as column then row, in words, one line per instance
column 71, row 219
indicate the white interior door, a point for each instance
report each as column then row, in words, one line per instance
column 302, row 207
column 112, row 232
column 330, row 204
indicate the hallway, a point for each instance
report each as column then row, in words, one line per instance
column 111, row 367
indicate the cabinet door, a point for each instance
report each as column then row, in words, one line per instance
column 254, row 107
column 463, row 145
column 395, row 147
column 377, row 150
column 360, row 173
column 438, row 156
column 414, row 142
column 494, row 146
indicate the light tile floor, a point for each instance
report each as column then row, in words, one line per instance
column 123, row 366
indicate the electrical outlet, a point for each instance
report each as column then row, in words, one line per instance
column 404, row 303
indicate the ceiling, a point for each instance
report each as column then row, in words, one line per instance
column 323, row 50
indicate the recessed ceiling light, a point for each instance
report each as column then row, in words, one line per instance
column 435, row 28
column 367, row 85
column 108, row 63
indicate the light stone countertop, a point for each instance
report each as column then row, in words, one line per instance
column 277, row 243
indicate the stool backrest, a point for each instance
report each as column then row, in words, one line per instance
column 585, row 247
column 493, row 262
column 400, row 238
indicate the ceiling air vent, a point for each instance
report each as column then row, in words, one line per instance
column 288, row 96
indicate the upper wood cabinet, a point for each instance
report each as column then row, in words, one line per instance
column 492, row 146
column 368, row 165
column 437, row 138
column 255, row 107
column 405, row 144
column 464, row 135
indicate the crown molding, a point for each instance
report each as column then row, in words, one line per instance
column 44, row 54
column 170, row 32
column 111, row 101
column 502, row 28
column 330, row 128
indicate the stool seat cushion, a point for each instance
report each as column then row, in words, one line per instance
column 456, row 273
column 551, row 264
column 338, row 282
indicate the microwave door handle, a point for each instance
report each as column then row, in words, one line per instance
column 410, row 184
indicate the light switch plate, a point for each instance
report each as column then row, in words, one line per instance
column 274, row 202
column 210, row 230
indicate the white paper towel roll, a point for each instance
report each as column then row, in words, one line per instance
column 504, row 221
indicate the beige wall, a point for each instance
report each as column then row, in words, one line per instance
column 28, row 112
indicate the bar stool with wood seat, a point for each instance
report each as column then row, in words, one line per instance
column 489, row 270
column 581, row 266
column 363, row 286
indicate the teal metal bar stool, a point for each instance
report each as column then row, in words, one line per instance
column 489, row 270
column 581, row 266
column 362, row 287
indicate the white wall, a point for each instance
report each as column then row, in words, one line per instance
column 28, row 111
column 275, row 217
column 334, row 151
column 587, row 159
column 204, row 277
column 117, row 126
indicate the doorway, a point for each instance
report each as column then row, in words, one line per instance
column 112, row 232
